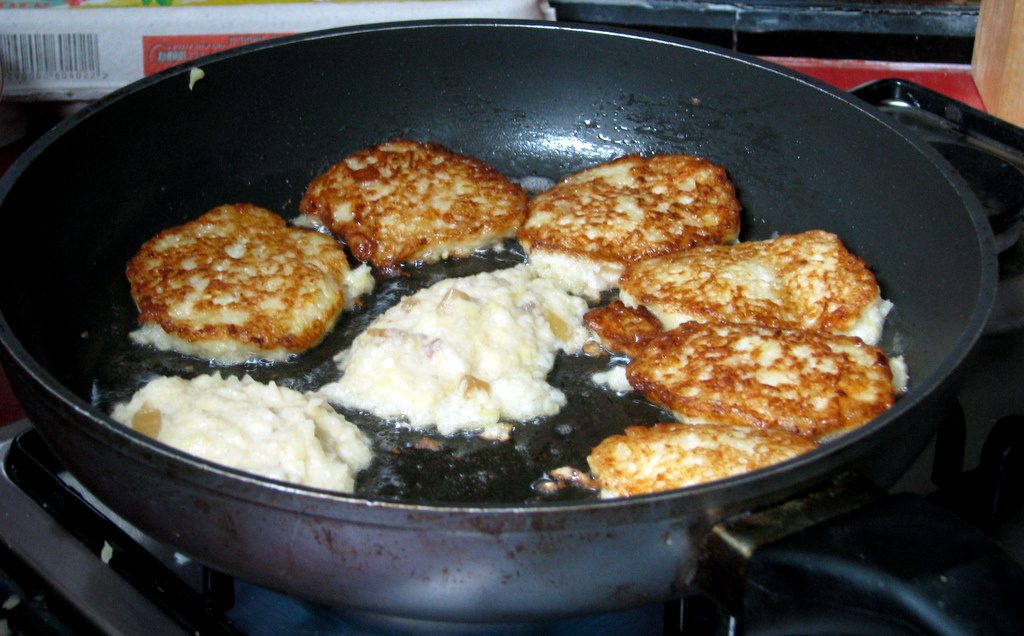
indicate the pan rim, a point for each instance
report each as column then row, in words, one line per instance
column 773, row 478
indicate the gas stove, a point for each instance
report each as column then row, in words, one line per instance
column 974, row 464
column 70, row 566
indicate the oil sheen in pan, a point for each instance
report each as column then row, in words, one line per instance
column 446, row 469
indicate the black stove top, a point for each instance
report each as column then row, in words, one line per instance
column 974, row 463
column 68, row 566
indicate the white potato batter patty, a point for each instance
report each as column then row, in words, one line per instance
column 467, row 353
column 259, row 428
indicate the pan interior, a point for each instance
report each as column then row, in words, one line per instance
column 535, row 102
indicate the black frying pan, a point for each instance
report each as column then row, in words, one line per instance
column 459, row 534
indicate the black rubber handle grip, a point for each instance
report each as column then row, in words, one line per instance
column 897, row 565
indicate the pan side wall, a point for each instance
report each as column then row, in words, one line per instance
column 463, row 567
column 426, row 565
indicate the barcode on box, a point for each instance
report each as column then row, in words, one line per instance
column 49, row 56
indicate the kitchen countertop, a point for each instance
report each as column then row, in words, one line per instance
column 953, row 80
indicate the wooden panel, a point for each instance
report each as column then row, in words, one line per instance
column 998, row 61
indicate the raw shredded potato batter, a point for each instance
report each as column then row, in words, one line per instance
column 464, row 354
column 259, row 428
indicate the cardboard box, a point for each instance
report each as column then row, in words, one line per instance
column 81, row 51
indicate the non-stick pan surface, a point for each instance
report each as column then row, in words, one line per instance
column 535, row 100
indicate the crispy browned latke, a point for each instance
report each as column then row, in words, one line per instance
column 809, row 383
column 665, row 456
column 406, row 201
column 238, row 283
column 634, row 208
column 622, row 329
column 800, row 281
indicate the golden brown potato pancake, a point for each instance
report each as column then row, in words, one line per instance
column 800, row 281
column 647, row 459
column 406, row 201
column 237, row 283
column 808, row 383
column 626, row 210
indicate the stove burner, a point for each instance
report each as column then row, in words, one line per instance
column 989, row 154
column 35, row 471
column 1008, row 311
column 998, row 184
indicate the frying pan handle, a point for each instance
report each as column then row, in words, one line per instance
column 889, row 565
